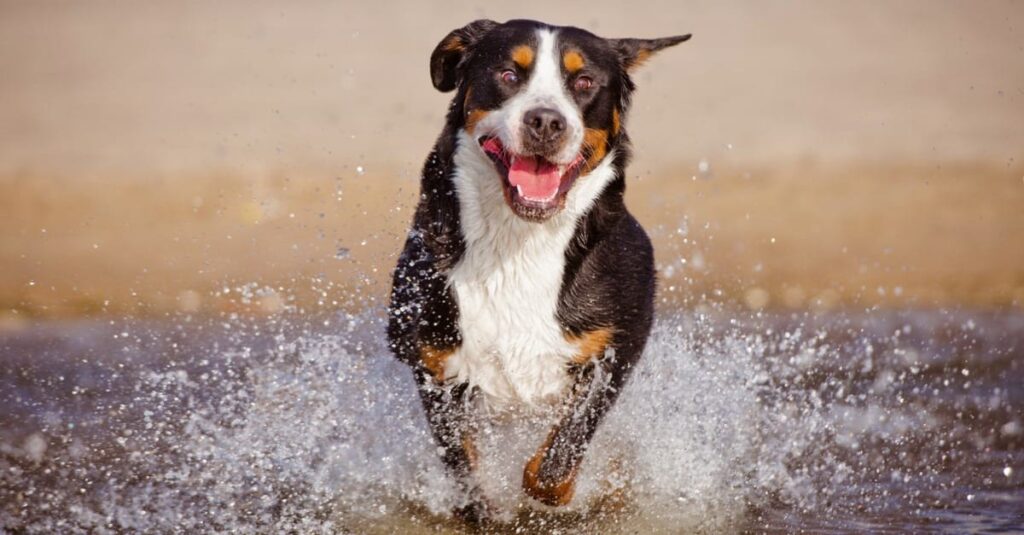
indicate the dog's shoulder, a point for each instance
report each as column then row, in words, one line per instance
column 609, row 278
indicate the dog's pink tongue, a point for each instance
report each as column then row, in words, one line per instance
column 536, row 178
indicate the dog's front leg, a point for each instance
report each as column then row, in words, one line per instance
column 448, row 417
column 550, row 475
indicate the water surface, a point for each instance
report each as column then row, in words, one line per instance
column 906, row 421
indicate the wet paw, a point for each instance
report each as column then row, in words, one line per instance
column 546, row 488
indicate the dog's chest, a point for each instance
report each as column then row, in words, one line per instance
column 507, row 287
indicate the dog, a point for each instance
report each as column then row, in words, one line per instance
column 524, row 281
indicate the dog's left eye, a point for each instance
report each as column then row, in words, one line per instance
column 509, row 76
column 583, row 83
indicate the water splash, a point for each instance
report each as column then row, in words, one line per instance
column 236, row 425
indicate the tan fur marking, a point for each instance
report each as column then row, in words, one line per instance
column 453, row 45
column 591, row 345
column 473, row 117
column 434, row 359
column 523, row 56
column 595, row 142
column 616, row 123
column 549, row 493
column 572, row 61
column 641, row 56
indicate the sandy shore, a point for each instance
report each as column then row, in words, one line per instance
column 801, row 237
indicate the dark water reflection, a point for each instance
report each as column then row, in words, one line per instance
column 902, row 421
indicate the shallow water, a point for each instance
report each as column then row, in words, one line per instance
column 874, row 422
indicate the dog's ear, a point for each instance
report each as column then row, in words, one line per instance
column 633, row 52
column 446, row 60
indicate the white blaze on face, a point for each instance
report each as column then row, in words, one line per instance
column 508, row 281
column 544, row 89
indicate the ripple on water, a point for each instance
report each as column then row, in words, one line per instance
column 838, row 422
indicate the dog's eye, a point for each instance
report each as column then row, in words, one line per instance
column 509, row 76
column 583, row 83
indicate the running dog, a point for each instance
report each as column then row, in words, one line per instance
column 524, row 280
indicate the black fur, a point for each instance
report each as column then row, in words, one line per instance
column 609, row 278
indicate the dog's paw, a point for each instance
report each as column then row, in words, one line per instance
column 550, row 487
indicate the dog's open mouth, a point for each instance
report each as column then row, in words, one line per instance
column 535, row 188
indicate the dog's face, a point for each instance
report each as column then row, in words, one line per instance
column 545, row 104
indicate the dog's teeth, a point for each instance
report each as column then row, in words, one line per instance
column 519, row 190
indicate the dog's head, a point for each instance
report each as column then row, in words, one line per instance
column 545, row 103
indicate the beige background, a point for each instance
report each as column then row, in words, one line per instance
column 853, row 152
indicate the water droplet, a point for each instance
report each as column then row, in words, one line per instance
column 704, row 169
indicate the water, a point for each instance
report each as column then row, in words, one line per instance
column 883, row 421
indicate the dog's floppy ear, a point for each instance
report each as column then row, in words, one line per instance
column 446, row 61
column 633, row 52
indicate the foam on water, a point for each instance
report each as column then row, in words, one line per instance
column 246, row 428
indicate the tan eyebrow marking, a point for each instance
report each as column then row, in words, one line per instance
column 572, row 61
column 522, row 55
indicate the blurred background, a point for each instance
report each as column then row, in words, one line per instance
column 201, row 204
column 802, row 154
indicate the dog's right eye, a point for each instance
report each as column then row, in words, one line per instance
column 509, row 76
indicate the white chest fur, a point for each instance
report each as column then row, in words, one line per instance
column 507, row 285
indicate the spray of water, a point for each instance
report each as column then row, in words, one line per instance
column 313, row 427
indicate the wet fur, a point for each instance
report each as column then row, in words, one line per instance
column 501, row 304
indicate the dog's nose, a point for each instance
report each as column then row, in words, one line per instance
column 544, row 124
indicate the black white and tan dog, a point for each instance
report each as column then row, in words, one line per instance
column 524, row 281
